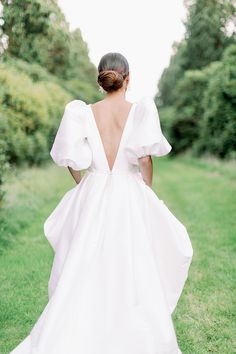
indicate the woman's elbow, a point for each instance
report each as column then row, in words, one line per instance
column 145, row 161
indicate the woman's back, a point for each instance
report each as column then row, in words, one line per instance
column 111, row 118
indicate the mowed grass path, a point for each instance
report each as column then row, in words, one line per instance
column 201, row 194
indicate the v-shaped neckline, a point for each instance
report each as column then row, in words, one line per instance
column 121, row 137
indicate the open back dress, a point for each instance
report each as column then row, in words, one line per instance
column 121, row 257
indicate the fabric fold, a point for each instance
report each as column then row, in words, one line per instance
column 147, row 137
column 70, row 147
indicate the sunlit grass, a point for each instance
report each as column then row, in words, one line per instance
column 201, row 193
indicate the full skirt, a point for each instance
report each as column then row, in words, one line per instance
column 120, row 264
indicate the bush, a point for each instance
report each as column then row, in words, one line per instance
column 31, row 112
column 218, row 127
column 167, row 118
column 34, row 71
column 29, row 116
column 187, row 112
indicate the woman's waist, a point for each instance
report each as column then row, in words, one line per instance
column 118, row 171
column 131, row 170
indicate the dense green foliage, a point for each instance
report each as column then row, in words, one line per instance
column 197, row 92
column 191, row 188
column 188, row 109
column 218, row 124
column 29, row 115
column 170, row 76
column 37, row 33
column 44, row 66
column 206, row 31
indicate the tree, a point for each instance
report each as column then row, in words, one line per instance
column 207, row 31
column 171, row 75
column 218, row 126
column 37, row 32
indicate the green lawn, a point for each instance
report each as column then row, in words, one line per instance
column 201, row 193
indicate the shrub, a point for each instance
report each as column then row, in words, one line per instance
column 29, row 116
column 218, row 127
column 188, row 110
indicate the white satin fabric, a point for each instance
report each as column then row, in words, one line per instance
column 121, row 257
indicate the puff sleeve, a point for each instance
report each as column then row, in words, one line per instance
column 146, row 137
column 70, row 146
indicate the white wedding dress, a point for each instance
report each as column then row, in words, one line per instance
column 121, row 257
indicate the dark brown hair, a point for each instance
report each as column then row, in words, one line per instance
column 113, row 68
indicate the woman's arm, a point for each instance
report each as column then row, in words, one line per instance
column 146, row 169
column 75, row 174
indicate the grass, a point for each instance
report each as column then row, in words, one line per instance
column 201, row 193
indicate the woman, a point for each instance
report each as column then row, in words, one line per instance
column 121, row 257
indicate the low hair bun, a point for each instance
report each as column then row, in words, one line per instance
column 110, row 80
column 113, row 68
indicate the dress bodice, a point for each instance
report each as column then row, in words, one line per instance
column 78, row 143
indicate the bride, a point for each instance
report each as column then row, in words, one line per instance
column 121, row 257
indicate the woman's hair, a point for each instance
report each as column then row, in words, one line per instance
column 113, row 68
